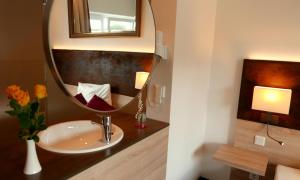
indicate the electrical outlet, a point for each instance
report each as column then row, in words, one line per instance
column 260, row 140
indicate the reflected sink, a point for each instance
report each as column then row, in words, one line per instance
column 75, row 137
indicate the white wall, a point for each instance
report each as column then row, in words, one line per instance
column 191, row 69
column 267, row 29
column 59, row 33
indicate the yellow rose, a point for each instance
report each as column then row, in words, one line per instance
column 17, row 95
column 40, row 91
column 11, row 90
column 15, row 92
column 24, row 98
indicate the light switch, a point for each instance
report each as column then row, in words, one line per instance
column 156, row 94
column 163, row 92
column 260, row 140
column 160, row 93
column 159, row 38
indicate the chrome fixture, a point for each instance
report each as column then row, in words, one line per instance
column 44, row 2
column 106, row 122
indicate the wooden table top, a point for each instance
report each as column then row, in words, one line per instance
column 243, row 159
column 62, row 166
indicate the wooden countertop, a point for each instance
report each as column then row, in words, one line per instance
column 243, row 159
column 62, row 166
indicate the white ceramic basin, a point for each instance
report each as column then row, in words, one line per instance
column 77, row 137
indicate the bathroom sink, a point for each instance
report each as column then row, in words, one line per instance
column 75, row 137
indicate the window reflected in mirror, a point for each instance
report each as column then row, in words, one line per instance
column 104, row 17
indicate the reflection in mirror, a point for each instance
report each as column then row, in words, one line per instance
column 103, row 80
column 104, row 17
column 100, row 73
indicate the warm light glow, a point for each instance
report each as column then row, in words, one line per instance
column 272, row 96
column 272, row 99
column 140, row 79
column 274, row 57
column 106, row 48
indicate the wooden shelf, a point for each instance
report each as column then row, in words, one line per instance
column 250, row 161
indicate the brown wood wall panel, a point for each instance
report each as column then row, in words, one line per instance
column 287, row 155
column 278, row 74
column 99, row 67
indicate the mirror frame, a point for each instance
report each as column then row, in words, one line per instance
column 52, row 67
column 137, row 32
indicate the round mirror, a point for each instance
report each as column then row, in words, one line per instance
column 101, row 52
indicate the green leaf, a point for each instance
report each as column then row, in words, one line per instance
column 11, row 113
column 43, row 127
column 14, row 104
column 24, row 134
column 41, row 119
column 36, row 138
column 24, row 120
column 34, row 107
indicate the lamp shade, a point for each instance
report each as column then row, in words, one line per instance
column 140, row 79
column 274, row 100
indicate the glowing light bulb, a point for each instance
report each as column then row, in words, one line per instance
column 269, row 99
column 271, row 96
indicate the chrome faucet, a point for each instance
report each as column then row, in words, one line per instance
column 107, row 129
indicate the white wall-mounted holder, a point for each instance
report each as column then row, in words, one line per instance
column 161, row 49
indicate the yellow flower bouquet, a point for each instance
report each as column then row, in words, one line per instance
column 31, row 120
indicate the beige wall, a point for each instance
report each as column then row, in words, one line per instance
column 256, row 29
column 21, row 53
column 191, row 69
column 59, row 33
column 165, row 22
